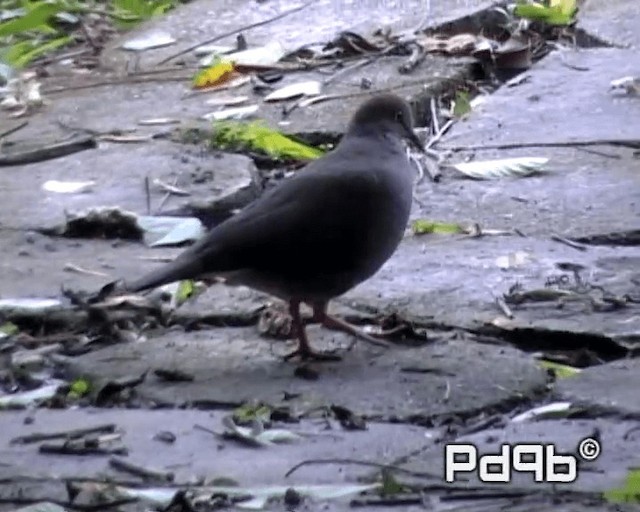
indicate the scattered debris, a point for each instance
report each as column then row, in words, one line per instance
column 71, row 267
column 513, row 260
column 153, row 475
column 236, row 113
column 258, row 137
column 30, row 398
column 163, row 231
column 554, row 12
column 66, row 434
column 295, row 91
column 158, row 121
column 424, row 226
column 561, row 371
column 48, row 152
column 553, row 410
column 220, row 72
column 508, row 167
column 68, row 187
column 28, row 306
column 170, row 189
column 22, row 95
column 149, row 41
column 256, row 435
column 227, row 101
column 628, row 84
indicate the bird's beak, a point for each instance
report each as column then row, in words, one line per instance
column 414, row 140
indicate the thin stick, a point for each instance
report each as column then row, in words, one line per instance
column 434, row 116
column 570, row 243
column 439, row 135
column 632, row 143
column 14, row 129
column 238, row 30
column 360, row 463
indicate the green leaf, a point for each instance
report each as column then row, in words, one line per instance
column 424, row 226
column 9, row 329
column 131, row 12
column 629, row 492
column 462, row 104
column 561, row 371
column 20, row 54
column 558, row 13
column 35, row 19
column 390, row 486
column 80, row 387
column 251, row 412
column 186, row 289
column 258, row 137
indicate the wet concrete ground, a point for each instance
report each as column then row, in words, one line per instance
column 477, row 367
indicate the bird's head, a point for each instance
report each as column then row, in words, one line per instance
column 386, row 113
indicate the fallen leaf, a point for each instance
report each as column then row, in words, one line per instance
column 508, row 167
column 629, row 84
column 561, row 371
column 218, row 73
column 309, row 88
column 424, row 226
column 27, row 305
column 161, row 231
column 512, row 260
column 28, row 398
column 558, row 12
column 553, row 410
column 263, row 56
column 226, row 101
column 236, row 113
column 68, row 187
column 158, row 121
column 257, row 136
column 148, row 41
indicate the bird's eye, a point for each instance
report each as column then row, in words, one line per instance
column 399, row 115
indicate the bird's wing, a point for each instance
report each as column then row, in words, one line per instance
column 310, row 223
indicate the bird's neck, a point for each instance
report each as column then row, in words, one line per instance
column 374, row 134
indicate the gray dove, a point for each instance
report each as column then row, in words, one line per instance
column 321, row 232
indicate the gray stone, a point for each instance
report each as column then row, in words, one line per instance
column 610, row 387
column 618, row 441
column 232, row 366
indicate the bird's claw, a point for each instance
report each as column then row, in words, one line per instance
column 312, row 355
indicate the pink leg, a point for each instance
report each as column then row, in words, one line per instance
column 304, row 350
column 321, row 316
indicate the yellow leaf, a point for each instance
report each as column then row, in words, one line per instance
column 220, row 72
column 258, row 137
column 561, row 371
column 424, row 226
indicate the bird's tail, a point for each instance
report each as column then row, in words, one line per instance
column 181, row 268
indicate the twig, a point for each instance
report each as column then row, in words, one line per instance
column 599, row 153
column 433, row 169
column 631, row 143
column 49, row 152
column 440, row 133
column 72, row 267
column 237, row 31
column 378, row 465
column 14, row 129
column 134, row 469
column 415, row 59
column 570, row 243
column 67, row 434
column 434, row 116
column 504, row 307
column 147, row 194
